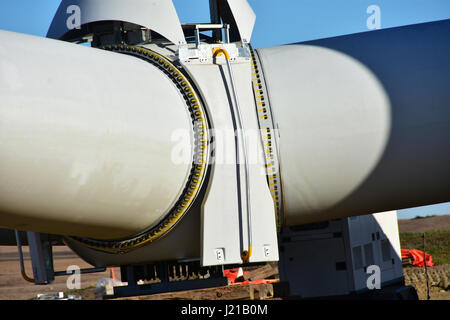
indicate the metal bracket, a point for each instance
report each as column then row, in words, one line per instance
column 167, row 273
column 203, row 53
column 42, row 259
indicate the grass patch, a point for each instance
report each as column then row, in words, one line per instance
column 437, row 243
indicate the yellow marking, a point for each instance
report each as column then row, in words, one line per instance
column 217, row 51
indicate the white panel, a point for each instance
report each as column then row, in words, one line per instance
column 222, row 242
column 157, row 15
column 372, row 230
column 389, row 227
column 244, row 16
column 263, row 222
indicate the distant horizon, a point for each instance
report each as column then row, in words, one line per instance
column 422, row 217
column 424, row 211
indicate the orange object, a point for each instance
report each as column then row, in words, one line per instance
column 417, row 257
column 112, row 275
column 231, row 274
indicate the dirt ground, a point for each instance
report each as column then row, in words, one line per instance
column 14, row 287
column 438, row 281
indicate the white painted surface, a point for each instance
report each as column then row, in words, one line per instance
column 244, row 16
column 334, row 121
column 157, row 15
column 85, row 139
column 222, row 241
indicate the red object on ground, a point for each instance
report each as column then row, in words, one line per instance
column 231, row 274
column 417, row 257
column 112, row 275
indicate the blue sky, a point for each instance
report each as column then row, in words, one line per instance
column 277, row 22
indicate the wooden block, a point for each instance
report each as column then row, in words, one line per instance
column 264, row 272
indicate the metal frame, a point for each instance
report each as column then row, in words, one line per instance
column 205, row 26
column 42, row 259
column 130, row 274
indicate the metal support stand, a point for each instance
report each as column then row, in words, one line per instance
column 168, row 277
column 41, row 257
column 217, row 28
column 41, row 253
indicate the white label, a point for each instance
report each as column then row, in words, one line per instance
column 219, row 254
column 267, row 251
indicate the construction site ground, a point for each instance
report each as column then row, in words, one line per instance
column 14, row 287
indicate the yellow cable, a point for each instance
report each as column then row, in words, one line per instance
column 218, row 51
column 245, row 255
